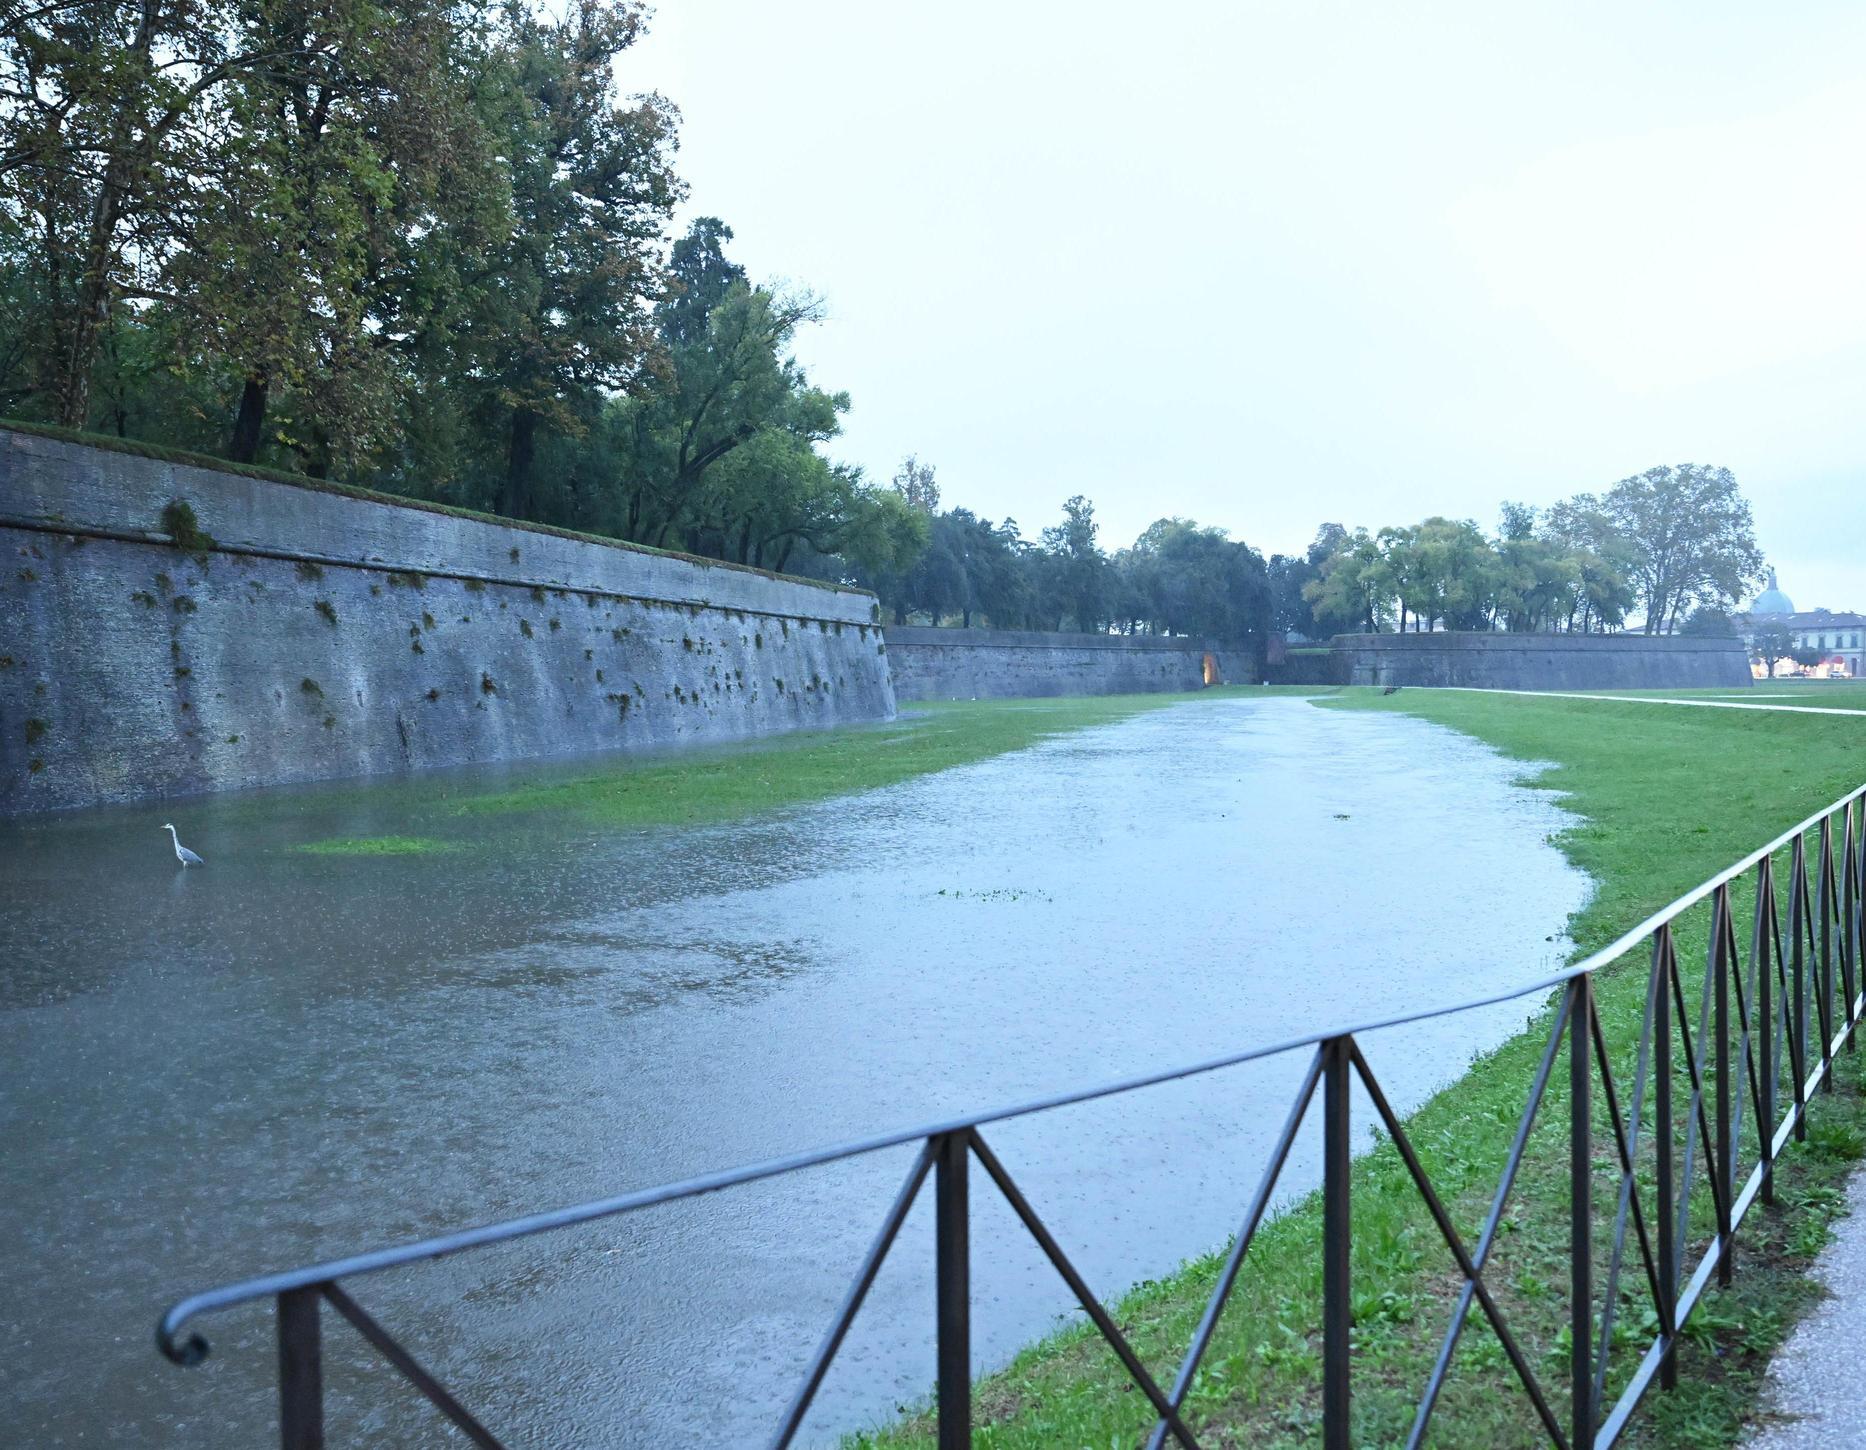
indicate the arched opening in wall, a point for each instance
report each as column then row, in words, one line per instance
column 1211, row 670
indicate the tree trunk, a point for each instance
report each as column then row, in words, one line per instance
column 515, row 494
column 243, row 447
column 87, row 325
column 74, row 394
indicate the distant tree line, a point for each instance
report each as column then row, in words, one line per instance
column 1675, row 545
column 1177, row 578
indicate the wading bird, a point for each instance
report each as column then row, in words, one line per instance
column 182, row 853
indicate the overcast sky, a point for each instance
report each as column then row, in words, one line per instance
column 1269, row 264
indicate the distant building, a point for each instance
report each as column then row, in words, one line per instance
column 1837, row 637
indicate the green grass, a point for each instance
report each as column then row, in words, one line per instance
column 374, row 846
column 1665, row 798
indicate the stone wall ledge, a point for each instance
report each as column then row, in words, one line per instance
column 54, row 486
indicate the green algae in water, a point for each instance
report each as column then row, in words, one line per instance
column 376, row 846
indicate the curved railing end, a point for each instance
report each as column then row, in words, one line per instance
column 185, row 1352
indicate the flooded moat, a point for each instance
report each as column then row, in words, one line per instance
column 284, row 1057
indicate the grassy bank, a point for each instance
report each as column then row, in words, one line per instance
column 1665, row 798
column 702, row 787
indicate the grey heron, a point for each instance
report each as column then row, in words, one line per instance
column 182, row 853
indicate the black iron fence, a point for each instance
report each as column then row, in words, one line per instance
column 1714, row 1095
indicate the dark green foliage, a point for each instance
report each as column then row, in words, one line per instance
column 36, row 730
column 311, row 687
column 328, row 610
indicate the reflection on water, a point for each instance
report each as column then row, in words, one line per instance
column 282, row 1057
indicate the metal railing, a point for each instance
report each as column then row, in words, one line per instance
column 1774, row 1011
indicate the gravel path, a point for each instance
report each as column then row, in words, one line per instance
column 1813, row 1396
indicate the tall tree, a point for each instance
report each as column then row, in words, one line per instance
column 305, row 244
column 1692, row 537
column 699, row 277
column 716, row 392
column 566, row 300
column 916, row 483
column 1354, row 588
column 1077, row 567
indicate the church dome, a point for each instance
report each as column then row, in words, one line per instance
column 1772, row 600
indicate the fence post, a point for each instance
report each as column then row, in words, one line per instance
column 1580, row 1213
column 1337, row 1240
column 1798, row 962
column 1725, row 1166
column 953, row 1271
column 1823, row 901
column 301, row 1372
column 1763, row 961
column 1663, row 1144
column 1850, row 964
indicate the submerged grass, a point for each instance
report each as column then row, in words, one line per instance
column 1665, row 798
column 375, row 846
column 702, row 787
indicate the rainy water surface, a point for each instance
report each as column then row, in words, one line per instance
column 285, row 1057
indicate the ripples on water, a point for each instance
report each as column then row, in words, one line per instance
column 284, row 1057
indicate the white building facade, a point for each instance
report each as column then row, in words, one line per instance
column 1838, row 637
